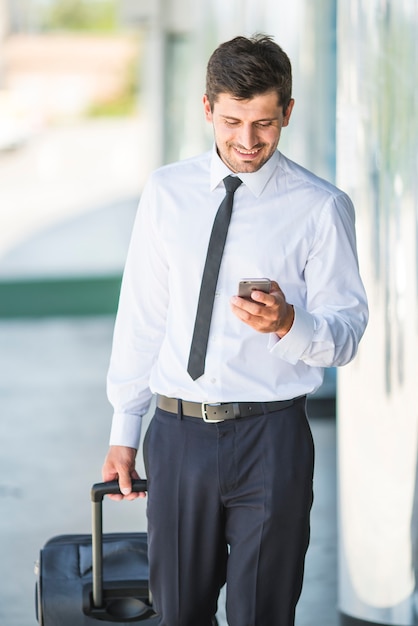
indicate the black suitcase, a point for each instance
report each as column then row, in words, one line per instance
column 95, row 579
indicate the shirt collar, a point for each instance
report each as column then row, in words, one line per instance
column 255, row 181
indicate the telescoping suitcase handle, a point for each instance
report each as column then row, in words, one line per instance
column 98, row 491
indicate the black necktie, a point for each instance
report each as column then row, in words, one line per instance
column 197, row 356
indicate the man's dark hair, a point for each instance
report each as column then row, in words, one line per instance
column 246, row 67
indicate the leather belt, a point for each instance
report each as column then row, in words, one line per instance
column 214, row 412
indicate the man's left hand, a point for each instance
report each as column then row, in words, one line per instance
column 266, row 312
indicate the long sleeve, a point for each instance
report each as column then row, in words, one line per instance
column 139, row 327
column 328, row 330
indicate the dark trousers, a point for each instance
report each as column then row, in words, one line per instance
column 229, row 502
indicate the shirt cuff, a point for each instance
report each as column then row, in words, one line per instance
column 126, row 430
column 292, row 346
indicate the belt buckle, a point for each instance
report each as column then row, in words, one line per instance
column 205, row 415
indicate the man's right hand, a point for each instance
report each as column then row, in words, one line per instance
column 120, row 465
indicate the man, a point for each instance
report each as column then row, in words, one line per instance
column 230, row 500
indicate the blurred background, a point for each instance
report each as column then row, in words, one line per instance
column 94, row 94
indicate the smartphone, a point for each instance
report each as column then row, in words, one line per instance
column 247, row 285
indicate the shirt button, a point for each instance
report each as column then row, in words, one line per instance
column 213, row 381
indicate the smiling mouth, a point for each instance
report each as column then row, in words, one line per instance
column 247, row 152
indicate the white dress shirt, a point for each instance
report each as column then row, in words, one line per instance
column 287, row 225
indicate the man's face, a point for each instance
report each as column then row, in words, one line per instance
column 247, row 132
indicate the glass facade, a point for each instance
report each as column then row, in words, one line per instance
column 377, row 163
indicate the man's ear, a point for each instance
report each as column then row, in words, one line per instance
column 207, row 108
column 288, row 112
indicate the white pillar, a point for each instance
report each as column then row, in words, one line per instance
column 377, row 393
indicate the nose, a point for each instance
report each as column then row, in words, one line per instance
column 248, row 136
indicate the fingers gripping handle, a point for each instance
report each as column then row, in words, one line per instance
column 99, row 490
